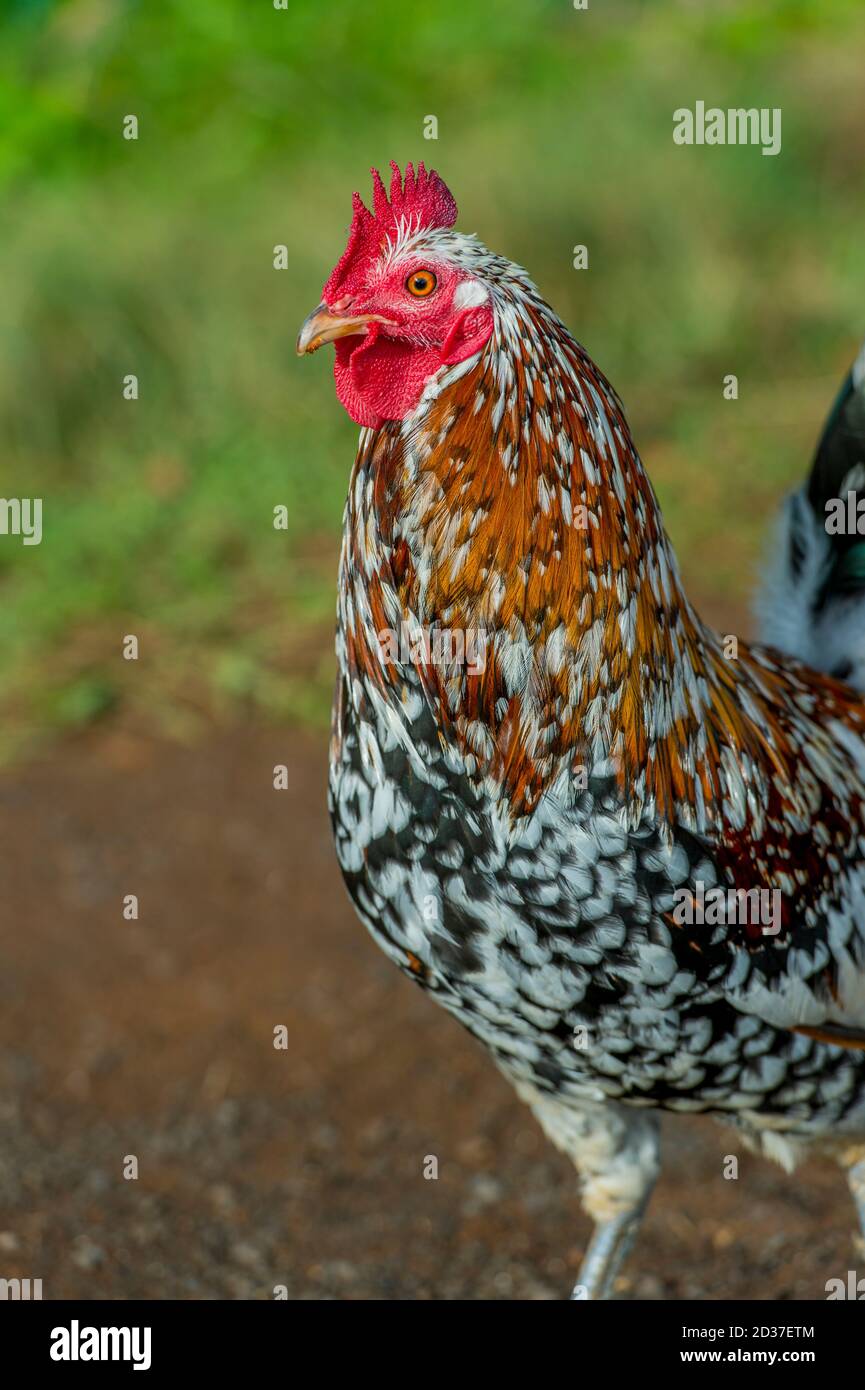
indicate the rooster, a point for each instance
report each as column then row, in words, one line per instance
column 561, row 838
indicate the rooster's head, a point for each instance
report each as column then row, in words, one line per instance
column 402, row 302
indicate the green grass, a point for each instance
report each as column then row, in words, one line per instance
column 155, row 257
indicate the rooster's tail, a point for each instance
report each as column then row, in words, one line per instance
column 812, row 601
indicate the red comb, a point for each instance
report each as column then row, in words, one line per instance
column 420, row 200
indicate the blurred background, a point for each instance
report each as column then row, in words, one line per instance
column 155, row 257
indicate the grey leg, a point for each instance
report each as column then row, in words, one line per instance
column 856, row 1179
column 615, row 1151
column 607, row 1252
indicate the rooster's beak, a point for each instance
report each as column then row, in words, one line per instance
column 323, row 326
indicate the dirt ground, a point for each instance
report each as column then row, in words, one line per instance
column 303, row 1166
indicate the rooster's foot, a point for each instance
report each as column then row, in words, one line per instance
column 608, row 1249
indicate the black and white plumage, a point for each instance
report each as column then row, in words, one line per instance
column 811, row 602
column 520, row 832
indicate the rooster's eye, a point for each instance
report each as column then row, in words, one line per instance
column 420, row 283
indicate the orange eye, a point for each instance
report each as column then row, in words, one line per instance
column 420, row 283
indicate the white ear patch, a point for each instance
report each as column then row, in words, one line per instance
column 858, row 367
column 469, row 294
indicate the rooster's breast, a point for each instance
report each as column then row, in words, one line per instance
column 549, row 938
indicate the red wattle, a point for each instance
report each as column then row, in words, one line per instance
column 383, row 378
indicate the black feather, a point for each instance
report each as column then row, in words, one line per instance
column 841, row 448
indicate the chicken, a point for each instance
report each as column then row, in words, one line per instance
column 625, row 853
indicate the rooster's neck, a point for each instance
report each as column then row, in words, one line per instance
column 518, row 490
column 511, row 508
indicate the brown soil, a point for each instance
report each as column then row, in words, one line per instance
column 302, row 1166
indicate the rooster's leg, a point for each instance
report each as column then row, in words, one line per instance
column 608, row 1250
column 856, row 1179
column 616, row 1153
